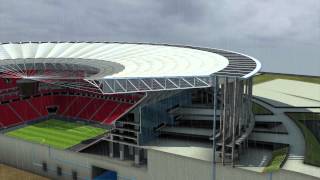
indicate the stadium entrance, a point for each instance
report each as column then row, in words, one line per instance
column 103, row 174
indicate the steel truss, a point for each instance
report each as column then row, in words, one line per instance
column 110, row 86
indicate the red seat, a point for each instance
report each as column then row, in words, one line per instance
column 77, row 106
column 25, row 111
column 8, row 117
column 91, row 108
column 105, row 110
column 121, row 109
column 40, row 103
column 62, row 102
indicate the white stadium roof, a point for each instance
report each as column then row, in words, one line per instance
column 123, row 67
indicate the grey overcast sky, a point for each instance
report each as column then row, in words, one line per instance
column 283, row 34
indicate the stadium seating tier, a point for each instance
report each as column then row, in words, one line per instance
column 100, row 110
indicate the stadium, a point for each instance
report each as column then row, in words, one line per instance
column 127, row 111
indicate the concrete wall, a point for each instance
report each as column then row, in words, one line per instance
column 161, row 166
column 166, row 166
column 29, row 156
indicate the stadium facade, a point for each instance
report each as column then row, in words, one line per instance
column 146, row 96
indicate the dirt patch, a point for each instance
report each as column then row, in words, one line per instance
column 10, row 173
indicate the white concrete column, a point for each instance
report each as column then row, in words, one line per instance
column 145, row 154
column 137, row 156
column 130, row 150
column 111, row 154
column 225, row 106
column 215, row 89
column 234, row 118
column 121, row 151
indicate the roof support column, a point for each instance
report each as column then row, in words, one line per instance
column 240, row 106
column 221, row 108
column 215, row 89
column 224, row 119
column 121, row 151
column 247, row 103
column 111, row 154
column 250, row 98
column 137, row 156
column 234, row 118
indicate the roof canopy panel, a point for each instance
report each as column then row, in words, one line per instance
column 125, row 67
column 138, row 60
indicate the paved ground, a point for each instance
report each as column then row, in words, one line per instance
column 252, row 159
column 288, row 93
column 255, row 159
column 188, row 130
column 192, row 149
column 295, row 137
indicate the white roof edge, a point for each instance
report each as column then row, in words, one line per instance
column 257, row 69
column 258, row 64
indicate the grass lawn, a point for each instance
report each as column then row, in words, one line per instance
column 260, row 110
column 312, row 153
column 278, row 158
column 264, row 77
column 56, row 133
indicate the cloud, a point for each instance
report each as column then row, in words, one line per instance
column 250, row 26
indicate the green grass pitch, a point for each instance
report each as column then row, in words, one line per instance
column 56, row 133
